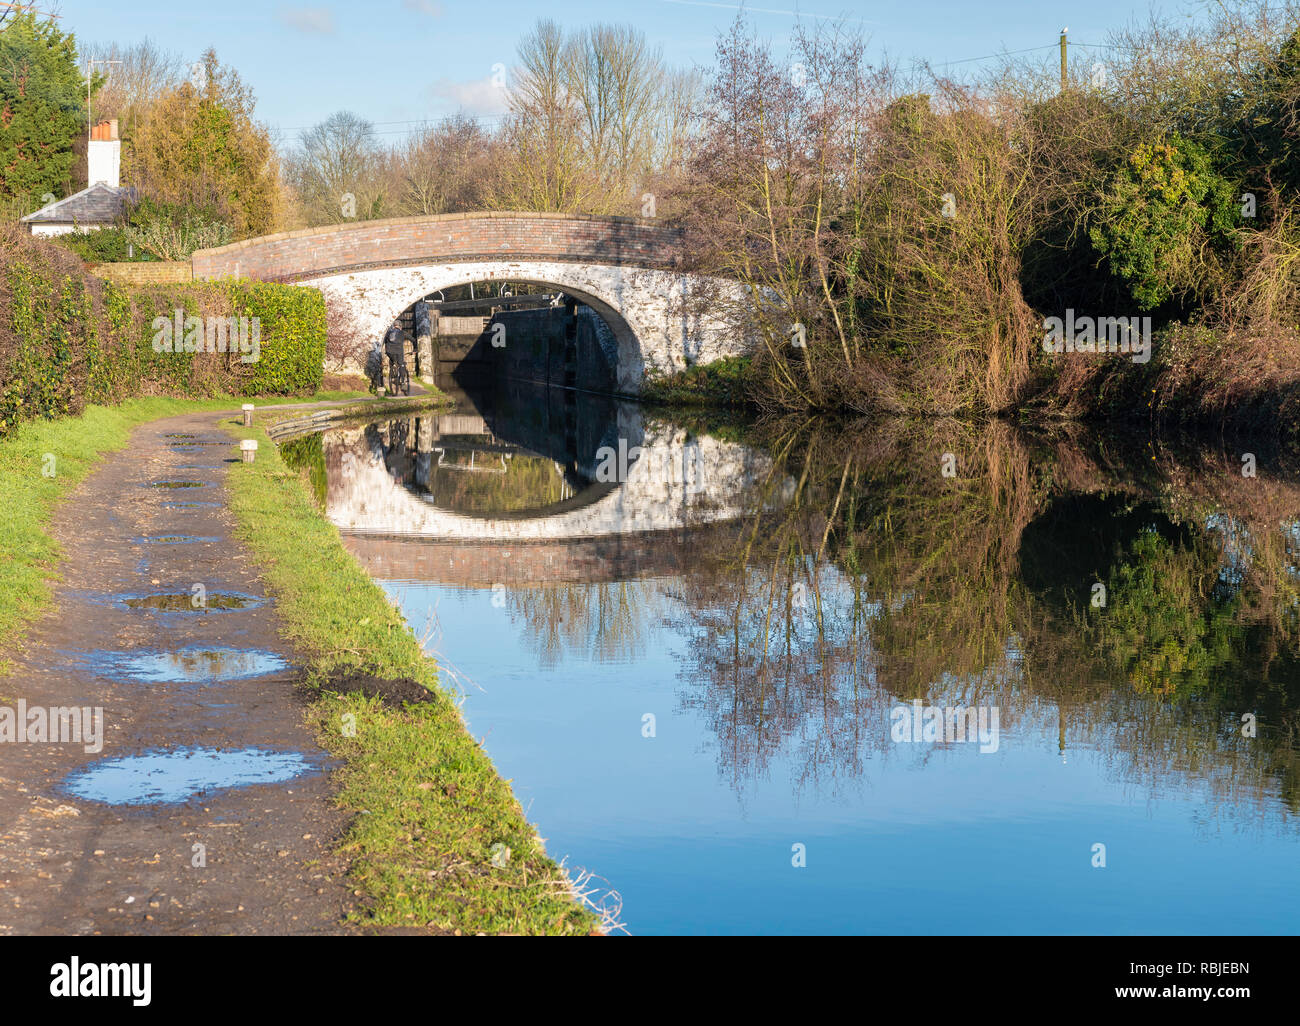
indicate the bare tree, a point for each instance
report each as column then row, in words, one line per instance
column 335, row 171
column 545, row 169
column 136, row 77
column 588, row 117
column 675, row 115
column 443, row 168
column 637, row 73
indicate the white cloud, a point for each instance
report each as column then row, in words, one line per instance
column 318, row 21
column 478, row 97
column 430, row 7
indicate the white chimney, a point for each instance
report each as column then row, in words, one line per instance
column 104, row 155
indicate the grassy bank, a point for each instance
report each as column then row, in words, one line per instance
column 724, row 382
column 40, row 462
column 438, row 838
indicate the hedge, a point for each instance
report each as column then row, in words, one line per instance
column 68, row 339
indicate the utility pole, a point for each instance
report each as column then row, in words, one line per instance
column 1063, row 47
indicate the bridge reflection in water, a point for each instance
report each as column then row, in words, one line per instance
column 531, row 484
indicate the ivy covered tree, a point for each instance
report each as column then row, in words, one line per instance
column 1164, row 218
column 42, row 107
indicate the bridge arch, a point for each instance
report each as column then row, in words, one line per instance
column 377, row 297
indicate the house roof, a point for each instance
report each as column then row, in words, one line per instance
column 100, row 204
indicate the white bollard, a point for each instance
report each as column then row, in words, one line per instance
column 248, row 450
column 248, row 414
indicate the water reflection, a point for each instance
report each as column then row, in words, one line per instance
column 195, row 664
column 1130, row 609
column 188, row 602
column 170, row 777
column 535, row 466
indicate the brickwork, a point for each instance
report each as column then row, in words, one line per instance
column 580, row 561
column 409, row 241
column 166, row 273
column 662, row 317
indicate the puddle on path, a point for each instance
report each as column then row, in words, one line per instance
column 190, row 505
column 178, row 434
column 183, row 602
column 174, row 539
column 200, row 466
column 175, row 484
column 197, row 664
column 165, row 778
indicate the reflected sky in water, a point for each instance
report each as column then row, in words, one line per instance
column 918, row 839
column 196, row 664
column 170, row 777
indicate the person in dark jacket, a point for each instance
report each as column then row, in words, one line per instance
column 375, row 365
column 395, row 350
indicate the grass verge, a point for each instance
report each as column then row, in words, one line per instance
column 40, row 462
column 437, row 838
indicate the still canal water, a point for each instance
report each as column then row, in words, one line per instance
column 697, row 650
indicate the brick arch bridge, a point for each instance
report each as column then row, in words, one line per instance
column 628, row 270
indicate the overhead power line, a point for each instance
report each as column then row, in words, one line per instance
column 1005, row 53
column 1032, row 49
column 432, row 119
column 492, row 117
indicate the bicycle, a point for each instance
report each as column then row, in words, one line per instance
column 399, row 378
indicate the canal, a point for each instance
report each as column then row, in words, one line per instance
column 829, row 677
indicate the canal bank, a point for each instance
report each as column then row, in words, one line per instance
column 198, row 596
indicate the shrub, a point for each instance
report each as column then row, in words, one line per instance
column 723, row 382
column 1164, row 210
column 105, row 245
column 177, row 239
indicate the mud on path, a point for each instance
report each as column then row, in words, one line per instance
column 73, row 864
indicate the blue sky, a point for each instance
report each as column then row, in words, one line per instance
column 395, row 61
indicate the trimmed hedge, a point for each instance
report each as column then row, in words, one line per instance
column 293, row 323
column 68, row 339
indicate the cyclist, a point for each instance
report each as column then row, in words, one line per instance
column 395, row 349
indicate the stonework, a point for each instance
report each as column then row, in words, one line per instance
column 159, row 273
column 647, row 310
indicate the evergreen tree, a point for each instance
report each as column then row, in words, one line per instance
column 42, row 107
